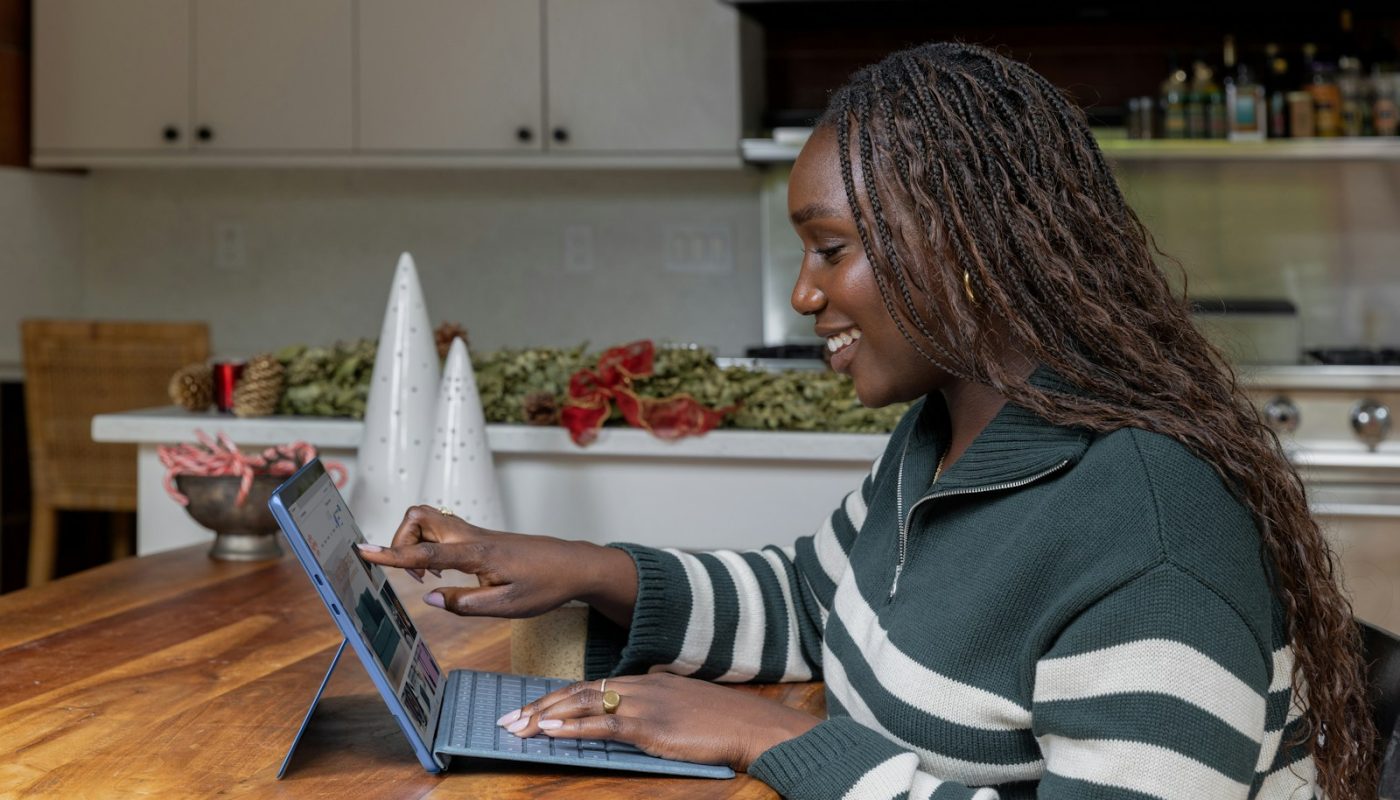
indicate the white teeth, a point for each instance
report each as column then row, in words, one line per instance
column 842, row 339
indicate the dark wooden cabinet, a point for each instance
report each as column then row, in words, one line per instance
column 14, row 83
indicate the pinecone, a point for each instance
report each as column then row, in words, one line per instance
column 445, row 333
column 260, row 388
column 541, row 408
column 192, row 387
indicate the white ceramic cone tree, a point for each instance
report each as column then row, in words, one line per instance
column 399, row 411
column 460, row 474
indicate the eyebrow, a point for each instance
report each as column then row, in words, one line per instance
column 813, row 211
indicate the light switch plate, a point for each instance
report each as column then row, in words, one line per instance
column 699, row 249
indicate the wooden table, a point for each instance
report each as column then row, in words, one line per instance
column 175, row 676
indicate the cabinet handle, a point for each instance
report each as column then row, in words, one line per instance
column 561, row 135
column 170, row 133
column 205, row 133
column 524, row 134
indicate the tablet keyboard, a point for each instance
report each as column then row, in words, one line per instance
column 493, row 694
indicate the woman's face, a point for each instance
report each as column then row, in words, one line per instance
column 837, row 285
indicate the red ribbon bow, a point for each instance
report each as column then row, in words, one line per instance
column 592, row 392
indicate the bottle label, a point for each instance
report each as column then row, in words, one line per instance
column 1246, row 115
column 1387, row 117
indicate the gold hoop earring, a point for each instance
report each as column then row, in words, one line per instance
column 967, row 287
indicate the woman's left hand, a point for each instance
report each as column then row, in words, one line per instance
column 667, row 716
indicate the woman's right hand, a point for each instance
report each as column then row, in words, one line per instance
column 520, row 575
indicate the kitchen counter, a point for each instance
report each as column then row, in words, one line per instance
column 725, row 489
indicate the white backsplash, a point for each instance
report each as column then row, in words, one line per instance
column 321, row 247
column 1325, row 235
column 40, row 249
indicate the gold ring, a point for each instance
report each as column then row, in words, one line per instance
column 611, row 700
column 445, row 511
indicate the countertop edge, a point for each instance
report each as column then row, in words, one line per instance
column 171, row 424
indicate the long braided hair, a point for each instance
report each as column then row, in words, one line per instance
column 992, row 213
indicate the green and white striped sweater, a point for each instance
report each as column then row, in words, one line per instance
column 1077, row 617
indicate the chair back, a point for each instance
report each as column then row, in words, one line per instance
column 1382, row 653
column 76, row 369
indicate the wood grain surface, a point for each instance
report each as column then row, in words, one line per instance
column 176, row 676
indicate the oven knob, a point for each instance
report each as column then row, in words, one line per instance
column 1282, row 415
column 1371, row 422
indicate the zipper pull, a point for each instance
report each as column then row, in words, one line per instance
column 894, row 585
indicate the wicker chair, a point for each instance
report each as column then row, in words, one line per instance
column 72, row 371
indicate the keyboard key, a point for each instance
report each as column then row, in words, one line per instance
column 634, row 758
column 592, row 744
column 510, row 743
column 537, row 745
column 565, row 752
column 592, row 755
column 622, row 747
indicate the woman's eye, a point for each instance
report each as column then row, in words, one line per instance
column 829, row 253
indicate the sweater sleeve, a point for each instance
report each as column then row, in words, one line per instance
column 1158, row 690
column 732, row 616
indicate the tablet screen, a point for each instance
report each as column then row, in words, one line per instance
column 323, row 520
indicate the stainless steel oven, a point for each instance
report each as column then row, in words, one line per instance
column 1336, row 424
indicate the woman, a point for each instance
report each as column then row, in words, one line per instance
column 1081, row 569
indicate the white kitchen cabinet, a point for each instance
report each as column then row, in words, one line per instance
column 643, row 76
column 111, row 76
column 435, row 83
column 450, row 75
column 164, row 77
column 274, row 75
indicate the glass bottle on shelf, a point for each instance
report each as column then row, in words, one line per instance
column 1384, row 87
column 1327, row 99
column 1276, row 89
column 1172, row 98
column 1244, row 98
column 1385, row 114
column 1300, row 115
column 1351, row 88
column 1205, row 104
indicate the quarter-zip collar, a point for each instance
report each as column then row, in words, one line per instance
column 1014, row 446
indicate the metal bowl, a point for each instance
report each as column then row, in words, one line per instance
column 246, row 532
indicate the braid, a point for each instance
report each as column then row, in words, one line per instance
column 886, row 240
column 845, row 102
column 1008, row 186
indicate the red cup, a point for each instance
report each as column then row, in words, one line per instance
column 226, row 375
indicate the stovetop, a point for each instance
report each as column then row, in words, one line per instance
column 1355, row 356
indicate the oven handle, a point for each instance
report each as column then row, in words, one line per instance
column 1369, row 510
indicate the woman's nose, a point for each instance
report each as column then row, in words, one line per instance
column 807, row 297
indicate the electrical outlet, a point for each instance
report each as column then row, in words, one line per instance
column 578, row 248
column 230, row 251
column 699, row 249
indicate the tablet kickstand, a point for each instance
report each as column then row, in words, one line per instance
column 306, row 721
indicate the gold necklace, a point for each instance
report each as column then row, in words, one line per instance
column 937, row 471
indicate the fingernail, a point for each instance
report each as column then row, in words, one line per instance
column 507, row 719
column 551, row 724
column 369, row 548
column 435, row 600
column 518, row 725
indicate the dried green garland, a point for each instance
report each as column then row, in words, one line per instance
column 334, row 381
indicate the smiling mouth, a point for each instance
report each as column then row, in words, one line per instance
column 842, row 340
